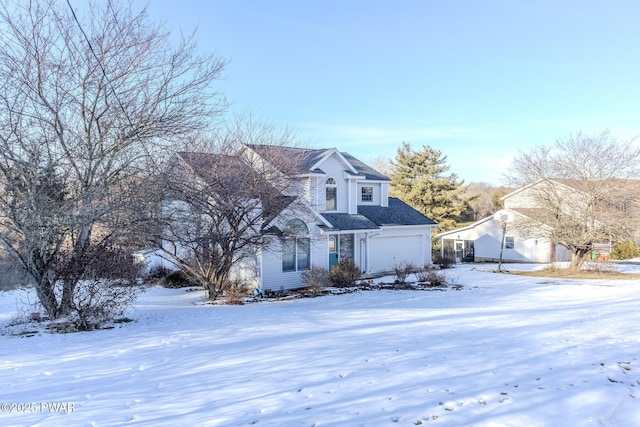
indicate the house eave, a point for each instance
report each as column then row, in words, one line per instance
column 326, row 230
column 339, row 154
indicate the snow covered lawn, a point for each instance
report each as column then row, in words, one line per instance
column 503, row 351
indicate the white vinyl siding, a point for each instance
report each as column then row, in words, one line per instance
column 275, row 279
column 334, row 168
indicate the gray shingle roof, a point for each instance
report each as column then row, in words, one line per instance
column 364, row 169
column 345, row 221
column 305, row 157
column 397, row 213
column 309, row 157
column 210, row 167
column 374, row 217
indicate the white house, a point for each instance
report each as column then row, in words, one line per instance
column 342, row 211
column 483, row 240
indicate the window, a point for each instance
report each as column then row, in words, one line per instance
column 367, row 194
column 297, row 248
column 509, row 242
column 331, row 195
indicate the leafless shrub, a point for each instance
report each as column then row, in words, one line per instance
column 344, row 274
column 422, row 275
column 401, row 271
column 436, row 278
column 235, row 290
column 316, row 278
column 97, row 302
column 432, row 276
column 444, row 261
column 106, row 285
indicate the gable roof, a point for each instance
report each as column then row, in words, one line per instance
column 468, row 227
column 203, row 166
column 310, row 159
column 563, row 182
column 530, row 212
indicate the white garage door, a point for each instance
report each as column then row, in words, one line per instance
column 387, row 252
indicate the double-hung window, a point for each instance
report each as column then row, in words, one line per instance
column 366, row 194
column 296, row 248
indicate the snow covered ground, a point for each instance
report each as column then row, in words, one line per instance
column 503, row 351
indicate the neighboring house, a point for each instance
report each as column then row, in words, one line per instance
column 342, row 211
column 482, row 240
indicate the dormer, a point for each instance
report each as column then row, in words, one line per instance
column 343, row 183
column 336, row 182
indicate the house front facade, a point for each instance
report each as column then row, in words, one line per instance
column 344, row 213
column 338, row 209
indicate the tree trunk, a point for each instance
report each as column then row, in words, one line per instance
column 47, row 298
column 77, row 265
column 215, row 288
column 66, row 302
column 578, row 258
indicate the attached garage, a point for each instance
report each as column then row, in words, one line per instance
column 387, row 252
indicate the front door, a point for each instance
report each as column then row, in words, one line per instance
column 333, row 250
column 459, row 250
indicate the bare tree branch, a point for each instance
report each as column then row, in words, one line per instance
column 223, row 200
column 83, row 121
column 586, row 192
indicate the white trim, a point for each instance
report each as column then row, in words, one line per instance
column 407, row 226
column 328, row 154
column 533, row 184
column 310, row 174
column 468, row 227
column 351, row 176
column 376, row 181
column 364, row 230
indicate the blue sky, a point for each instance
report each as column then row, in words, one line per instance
column 477, row 80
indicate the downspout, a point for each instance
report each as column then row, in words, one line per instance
column 365, row 239
column 349, row 202
column 260, row 270
column 367, row 252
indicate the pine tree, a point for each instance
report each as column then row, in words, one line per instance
column 420, row 179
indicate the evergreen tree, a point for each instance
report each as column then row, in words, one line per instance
column 420, row 179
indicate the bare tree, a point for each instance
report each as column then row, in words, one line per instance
column 87, row 105
column 223, row 199
column 484, row 198
column 382, row 164
column 587, row 191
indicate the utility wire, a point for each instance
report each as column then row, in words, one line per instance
column 100, row 63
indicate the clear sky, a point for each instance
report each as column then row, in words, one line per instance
column 478, row 80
